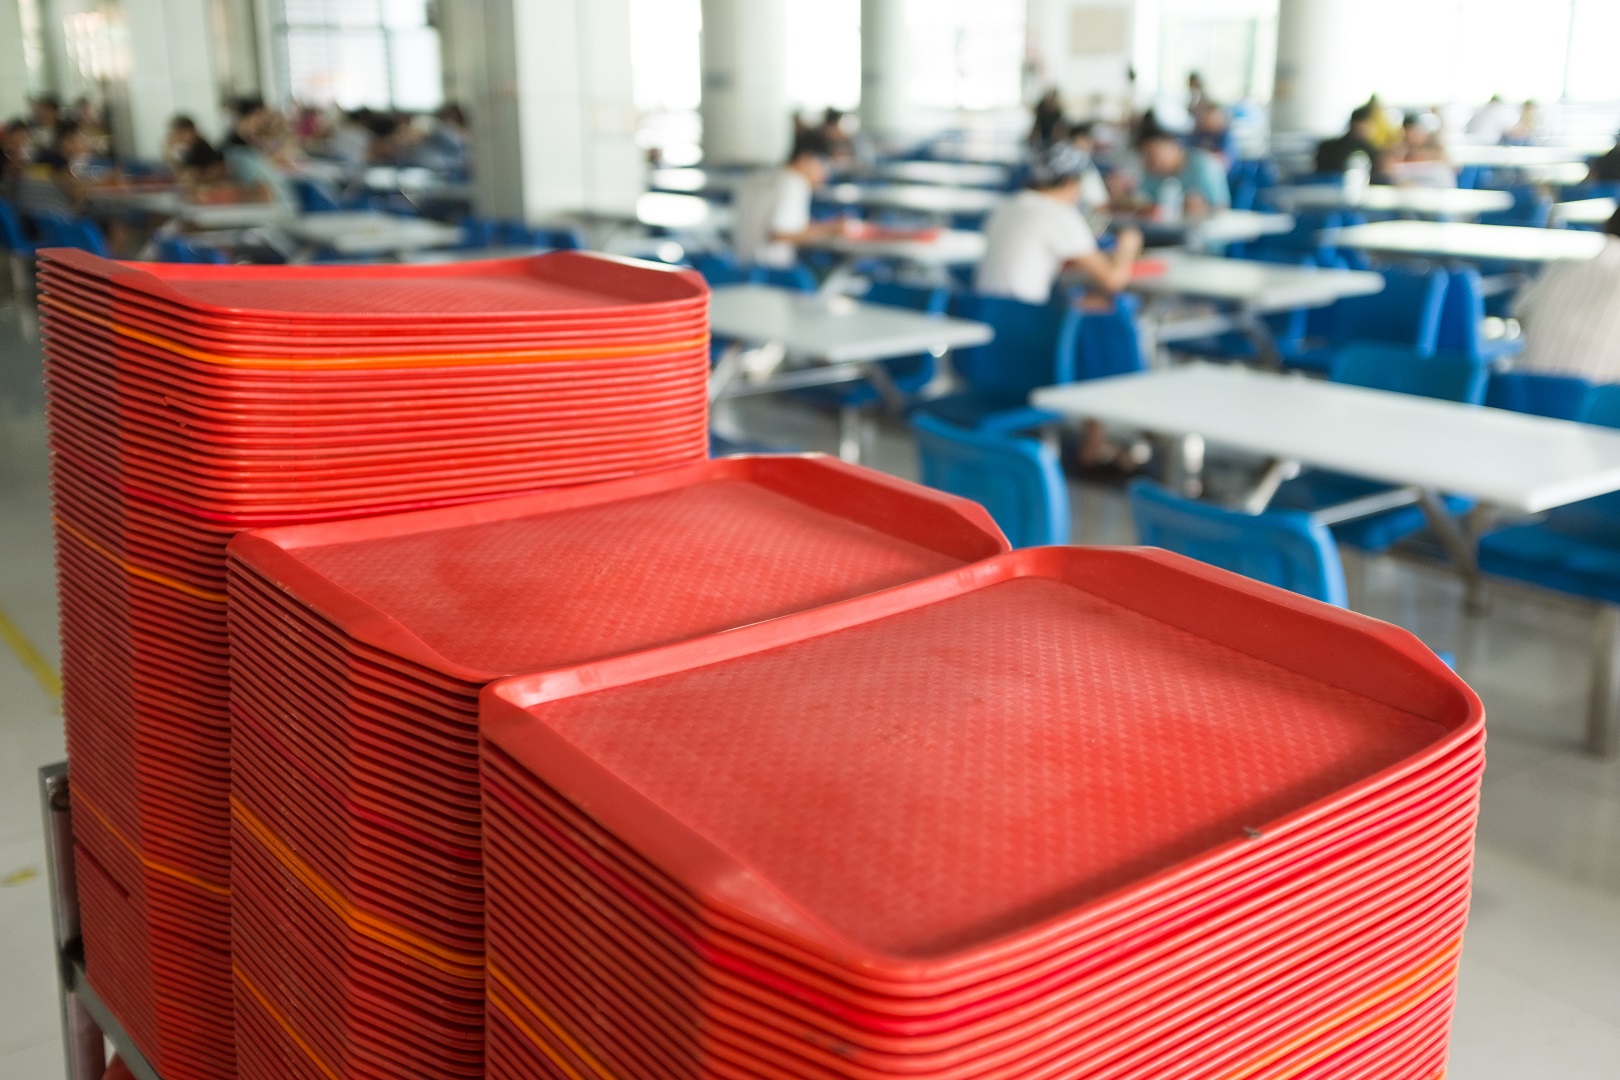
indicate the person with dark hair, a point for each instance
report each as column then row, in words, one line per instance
column 1606, row 169
column 249, row 118
column 1419, row 159
column 1571, row 316
column 1093, row 190
column 16, row 153
column 1036, row 236
column 44, row 114
column 1212, row 131
column 1048, row 119
column 772, row 207
column 1186, row 182
column 54, row 179
column 191, row 157
column 1335, row 155
column 447, row 147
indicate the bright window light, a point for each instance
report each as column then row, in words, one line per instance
column 824, row 53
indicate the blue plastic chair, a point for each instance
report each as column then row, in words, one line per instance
column 519, row 234
column 1462, row 321
column 1285, row 548
column 1017, row 479
column 315, row 196
column 1573, row 549
column 1448, row 376
column 12, row 236
column 718, row 268
column 60, row 230
column 1110, row 342
column 1530, row 208
column 797, row 277
column 1562, row 397
column 909, row 374
column 1035, row 345
column 1407, row 312
column 1289, row 329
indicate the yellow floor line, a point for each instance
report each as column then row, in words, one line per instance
column 43, row 673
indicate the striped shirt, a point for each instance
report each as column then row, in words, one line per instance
column 1571, row 317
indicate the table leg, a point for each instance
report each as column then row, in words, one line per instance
column 725, row 369
column 1277, row 471
column 1603, row 711
column 854, row 425
column 1185, row 465
column 1259, row 334
column 1458, row 544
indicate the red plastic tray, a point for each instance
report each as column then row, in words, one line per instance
column 1156, row 641
column 533, row 288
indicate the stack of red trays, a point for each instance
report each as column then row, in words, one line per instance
column 357, row 654
column 187, row 403
column 1077, row 813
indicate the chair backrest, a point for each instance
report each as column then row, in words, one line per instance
column 1406, row 312
column 12, row 236
column 1402, row 370
column 797, row 276
column 1285, row 548
column 315, row 196
column 925, row 298
column 1034, row 345
column 1110, row 342
column 1562, row 397
column 56, row 229
column 718, row 268
column 1530, row 207
column 1462, row 314
column 90, row 238
column 1017, row 479
column 1602, row 406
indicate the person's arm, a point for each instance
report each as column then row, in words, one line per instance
column 816, row 230
column 1111, row 273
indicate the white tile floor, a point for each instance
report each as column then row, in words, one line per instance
column 1541, row 969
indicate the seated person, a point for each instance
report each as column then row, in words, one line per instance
column 1093, row 191
column 1167, row 165
column 1334, row 156
column 56, row 179
column 16, row 153
column 1571, row 316
column 1419, row 160
column 1606, row 169
column 1036, row 236
column 191, row 157
column 772, row 207
column 1212, row 131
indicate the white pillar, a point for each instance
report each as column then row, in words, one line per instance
column 1319, row 57
column 170, row 72
column 886, row 112
column 13, row 65
column 546, row 84
column 746, row 116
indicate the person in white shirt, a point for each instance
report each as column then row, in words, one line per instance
column 1493, row 120
column 1571, row 316
column 772, row 207
column 1037, row 235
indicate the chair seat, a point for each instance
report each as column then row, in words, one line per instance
column 1548, row 555
column 1319, row 489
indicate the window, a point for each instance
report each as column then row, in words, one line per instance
column 965, row 54
column 824, row 54
column 379, row 54
column 666, row 77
